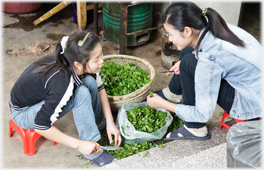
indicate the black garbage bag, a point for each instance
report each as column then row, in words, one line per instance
column 244, row 145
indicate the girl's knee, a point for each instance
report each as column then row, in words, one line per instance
column 82, row 92
column 89, row 82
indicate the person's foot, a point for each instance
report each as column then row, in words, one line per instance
column 100, row 158
column 189, row 133
column 168, row 95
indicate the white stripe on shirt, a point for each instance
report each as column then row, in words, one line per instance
column 50, row 78
column 63, row 101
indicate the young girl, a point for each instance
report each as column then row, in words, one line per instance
column 219, row 64
column 67, row 80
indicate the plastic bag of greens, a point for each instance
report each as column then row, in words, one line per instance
column 129, row 132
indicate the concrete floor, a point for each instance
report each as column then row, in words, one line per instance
column 19, row 39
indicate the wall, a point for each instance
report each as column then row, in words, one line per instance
column 230, row 11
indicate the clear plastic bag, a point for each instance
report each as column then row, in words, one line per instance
column 128, row 131
column 244, row 145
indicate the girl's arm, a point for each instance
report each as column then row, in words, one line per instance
column 85, row 147
column 110, row 125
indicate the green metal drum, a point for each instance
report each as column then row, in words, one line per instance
column 139, row 17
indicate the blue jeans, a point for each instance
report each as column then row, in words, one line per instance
column 184, row 84
column 85, row 105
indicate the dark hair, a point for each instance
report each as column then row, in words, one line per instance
column 188, row 14
column 72, row 53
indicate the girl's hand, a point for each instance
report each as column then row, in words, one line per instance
column 112, row 130
column 155, row 101
column 87, row 147
column 175, row 68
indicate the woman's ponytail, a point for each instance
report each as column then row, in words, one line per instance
column 188, row 14
column 218, row 27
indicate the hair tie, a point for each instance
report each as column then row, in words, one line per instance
column 204, row 11
column 81, row 42
column 64, row 41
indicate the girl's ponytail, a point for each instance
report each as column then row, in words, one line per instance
column 61, row 60
column 68, row 51
column 50, row 62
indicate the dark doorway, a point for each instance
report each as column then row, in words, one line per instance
column 250, row 18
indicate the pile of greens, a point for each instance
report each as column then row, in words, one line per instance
column 120, row 79
column 131, row 149
column 135, row 148
column 147, row 119
column 176, row 122
column 128, row 149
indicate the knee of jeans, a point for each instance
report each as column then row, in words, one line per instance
column 188, row 63
column 89, row 82
column 82, row 93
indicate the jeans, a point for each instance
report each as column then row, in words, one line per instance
column 184, row 84
column 85, row 105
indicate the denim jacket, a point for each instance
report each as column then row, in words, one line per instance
column 240, row 67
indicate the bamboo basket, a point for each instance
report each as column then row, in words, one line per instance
column 139, row 95
column 116, row 105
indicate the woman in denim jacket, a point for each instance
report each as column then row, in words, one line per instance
column 219, row 64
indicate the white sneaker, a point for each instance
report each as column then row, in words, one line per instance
column 200, row 132
column 171, row 96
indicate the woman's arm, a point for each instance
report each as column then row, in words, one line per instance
column 110, row 125
column 155, row 101
column 85, row 147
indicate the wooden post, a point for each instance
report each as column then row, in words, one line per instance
column 81, row 14
column 123, row 29
column 95, row 18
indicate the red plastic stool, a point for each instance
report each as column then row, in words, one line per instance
column 29, row 137
column 225, row 115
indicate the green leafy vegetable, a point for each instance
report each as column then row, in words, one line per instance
column 146, row 154
column 176, row 122
column 79, row 156
column 131, row 149
column 122, row 79
column 89, row 162
column 147, row 119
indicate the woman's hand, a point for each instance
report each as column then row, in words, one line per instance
column 175, row 68
column 87, row 147
column 155, row 101
column 112, row 130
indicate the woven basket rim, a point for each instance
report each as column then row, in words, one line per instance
column 142, row 89
column 128, row 100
